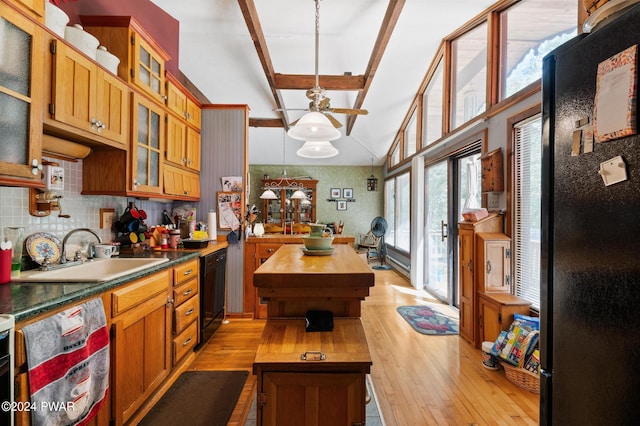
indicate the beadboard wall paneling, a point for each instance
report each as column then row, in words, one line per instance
column 223, row 138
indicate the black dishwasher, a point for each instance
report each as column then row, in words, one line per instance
column 212, row 293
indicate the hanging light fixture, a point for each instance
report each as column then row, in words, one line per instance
column 321, row 149
column 315, row 126
column 372, row 181
column 283, row 182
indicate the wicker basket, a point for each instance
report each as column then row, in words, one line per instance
column 521, row 377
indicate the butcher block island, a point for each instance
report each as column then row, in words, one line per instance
column 292, row 282
column 312, row 377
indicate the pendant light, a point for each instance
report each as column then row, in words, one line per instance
column 315, row 126
column 372, row 181
column 321, row 149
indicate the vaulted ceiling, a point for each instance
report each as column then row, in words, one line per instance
column 373, row 54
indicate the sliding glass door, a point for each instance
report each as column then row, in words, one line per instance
column 452, row 185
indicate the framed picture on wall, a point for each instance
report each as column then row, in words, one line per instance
column 342, row 205
column 347, row 193
column 335, row 192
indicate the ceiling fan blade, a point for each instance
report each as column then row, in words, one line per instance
column 333, row 121
column 349, row 111
column 290, row 109
column 324, row 103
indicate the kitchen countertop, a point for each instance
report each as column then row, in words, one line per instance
column 25, row 300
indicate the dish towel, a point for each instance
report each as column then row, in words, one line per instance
column 68, row 361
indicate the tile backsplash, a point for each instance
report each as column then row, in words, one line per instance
column 83, row 209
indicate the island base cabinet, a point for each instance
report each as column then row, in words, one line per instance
column 322, row 398
column 327, row 387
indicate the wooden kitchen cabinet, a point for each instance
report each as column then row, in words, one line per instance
column 147, row 145
column 183, row 103
column 468, row 272
column 183, row 184
column 33, row 7
column 494, row 262
column 21, row 94
column 86, row 97
column 142, row 60
column 141, row 339
column 186, row 309
column 328, row 391
column 496, row 312
column 183, row 144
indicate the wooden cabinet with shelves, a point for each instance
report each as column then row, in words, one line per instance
column 285, row 210
column 21, row 94
column 147, row 145
column 468, row 272
column 87, row 101
column 33, row 7
column 296, row 391
column 141, row 338
column 182, row 103
column 186, row 303
column 183, row 144
column 495, row 311
column 182, row 184
column 494, row 273
column 142, row 60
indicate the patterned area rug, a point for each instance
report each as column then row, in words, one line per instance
column 429, row 319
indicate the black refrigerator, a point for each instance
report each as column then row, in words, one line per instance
column 590, row 242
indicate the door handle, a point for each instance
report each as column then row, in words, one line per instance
column 488, row 267
column 443, row 230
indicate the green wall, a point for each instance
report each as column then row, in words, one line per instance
column 359, row 214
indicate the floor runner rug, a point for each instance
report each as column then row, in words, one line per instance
column 199, row 398
column 429, row 319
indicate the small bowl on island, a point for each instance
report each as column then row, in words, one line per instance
column 317, row 243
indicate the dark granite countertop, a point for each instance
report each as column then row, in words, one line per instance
column 25, row 300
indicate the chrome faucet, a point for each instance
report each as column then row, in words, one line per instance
column 63, row 255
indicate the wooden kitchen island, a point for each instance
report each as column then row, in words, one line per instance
column 292, row 283
column 312, row 377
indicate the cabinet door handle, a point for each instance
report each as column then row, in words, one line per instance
column 186, row 342
column 443, row 230
column 189, row 312
column 188, row 292
column 269, row 250
column 187, row 272
column 488, row 267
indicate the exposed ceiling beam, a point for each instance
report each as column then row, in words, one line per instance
column 386, row 29
column 265, row 122
column 327, row 82
column 250, row 15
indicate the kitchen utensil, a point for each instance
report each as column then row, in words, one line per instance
column 317, row 243
column 103, row 250
column 107, row 60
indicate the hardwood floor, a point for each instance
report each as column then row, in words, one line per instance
column 417, row 379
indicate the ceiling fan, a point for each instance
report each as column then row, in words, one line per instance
column 320, row 102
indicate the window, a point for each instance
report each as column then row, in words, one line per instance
column 469, row 77
column 395, row 153
column 525, row 40
column 410, row 136
column 432, row 101
column 397, row 211
column 527, row 208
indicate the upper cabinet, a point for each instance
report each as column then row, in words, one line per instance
column 142, row 60
column 148, row 140
column 183, row 127
column 284, row 209
column 86, row 97
column 21, row 96
column 181, row 102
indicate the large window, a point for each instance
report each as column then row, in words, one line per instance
column 410, row 136
column 528, row 35
column 527, row 208
column 469, row 76
column 397, row 211
column 432, row 101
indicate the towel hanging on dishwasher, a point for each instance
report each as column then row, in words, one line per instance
column 68, row 364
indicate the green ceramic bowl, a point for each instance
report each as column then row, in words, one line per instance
column 317, row 243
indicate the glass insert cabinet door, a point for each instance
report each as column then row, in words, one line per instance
column 148, row 125
column 21, row 94
column 285, row 210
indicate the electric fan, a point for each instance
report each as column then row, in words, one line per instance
column 379, row 228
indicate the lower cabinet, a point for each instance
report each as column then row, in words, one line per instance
column 186, row 309
column 141, row 338
column 496, row 312
column 326, row 388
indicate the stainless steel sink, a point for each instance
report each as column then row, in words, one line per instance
column 97, row 270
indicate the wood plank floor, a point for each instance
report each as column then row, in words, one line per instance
column 417, row 379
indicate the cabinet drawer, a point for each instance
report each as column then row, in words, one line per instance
column 185, row 291
column 184, row 272
column 185, row 341
column 266, row 250
column 186, row 313
column 136, row 293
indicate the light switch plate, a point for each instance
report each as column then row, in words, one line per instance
column 493, row 201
